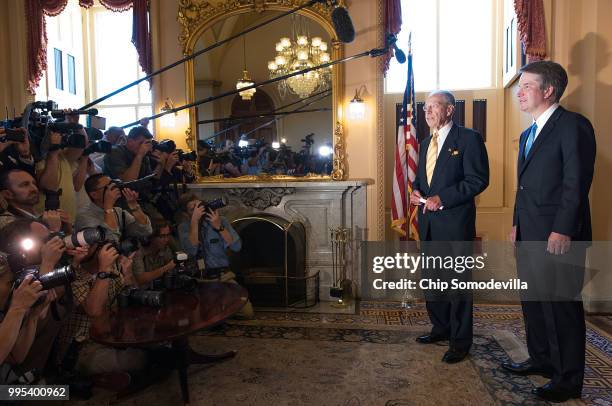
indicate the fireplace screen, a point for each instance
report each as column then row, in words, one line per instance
column 272, row 262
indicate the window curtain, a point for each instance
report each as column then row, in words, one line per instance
column 393, row 25
column 38, row 10
column 530, row 15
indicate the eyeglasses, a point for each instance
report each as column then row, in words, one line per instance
column 433, row 105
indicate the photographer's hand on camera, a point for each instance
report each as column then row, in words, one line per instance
column 78, row 255
column 107, row 256
column 171, row 161
column 125, row 265
column 26, row 294
column 51, row 252
column 53, row 220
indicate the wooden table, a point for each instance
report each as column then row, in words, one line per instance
column 183, row 314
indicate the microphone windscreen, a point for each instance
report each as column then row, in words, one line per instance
column 343, row 25
column 400, row 55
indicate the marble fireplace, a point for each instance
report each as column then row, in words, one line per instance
column 317, row 206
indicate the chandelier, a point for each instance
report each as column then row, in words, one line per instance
column 298, row 54
column 245, row 81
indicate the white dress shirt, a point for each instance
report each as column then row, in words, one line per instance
column 543, row 118
column 442, row 134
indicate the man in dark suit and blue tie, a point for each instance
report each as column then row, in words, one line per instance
column 453, row 169
column 551, row 222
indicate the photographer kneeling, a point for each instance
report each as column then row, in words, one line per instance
column 206, row 235
column 101, row 275
column 157, row 257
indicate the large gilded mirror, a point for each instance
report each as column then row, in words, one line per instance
column 289, row 129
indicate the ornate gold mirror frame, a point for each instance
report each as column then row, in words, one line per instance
column 195, row 16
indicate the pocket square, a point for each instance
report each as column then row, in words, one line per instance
column 454, row 152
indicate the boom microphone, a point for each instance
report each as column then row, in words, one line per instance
column 62, row 113
column 400, row 56
column 343, row 25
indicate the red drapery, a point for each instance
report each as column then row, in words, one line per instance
column 37, row 10
column 393, row 25
column 530, row 15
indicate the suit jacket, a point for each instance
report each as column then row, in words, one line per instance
column 555, row 179
column 461, row 173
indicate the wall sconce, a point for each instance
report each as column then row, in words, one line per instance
column 357, row 105
column 169, row 120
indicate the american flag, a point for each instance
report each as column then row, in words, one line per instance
column 404, row 219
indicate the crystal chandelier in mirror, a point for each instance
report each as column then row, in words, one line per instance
column 300, row 53
column 245, row 81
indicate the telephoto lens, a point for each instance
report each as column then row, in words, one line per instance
column 139, row 297
column 87, row 236
column 61, row 276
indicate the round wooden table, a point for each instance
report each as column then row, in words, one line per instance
column 184, row 313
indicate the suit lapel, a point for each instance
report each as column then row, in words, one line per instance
column 445, row 152
column 546, row 131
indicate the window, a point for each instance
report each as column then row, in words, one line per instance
column 114, row 65
column 453, row 45
column 71, row 75
column 59, row 71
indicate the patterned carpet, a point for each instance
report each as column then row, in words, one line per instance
column 369, row 358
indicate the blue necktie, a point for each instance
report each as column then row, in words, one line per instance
column 530, row 139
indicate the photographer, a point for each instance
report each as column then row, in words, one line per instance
column 133, row 160
column 19, row 190
column 65, row 168
column 16, row 154
column 115, row 136
column 26, row 244
column 206, row 235
column 104, row 211
column 102, row 273
column 156, row 257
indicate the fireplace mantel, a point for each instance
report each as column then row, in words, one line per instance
column 320, row 206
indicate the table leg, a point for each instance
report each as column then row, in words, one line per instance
column 186, row 356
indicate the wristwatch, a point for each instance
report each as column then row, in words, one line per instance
column 221, row 228
column 106, row 275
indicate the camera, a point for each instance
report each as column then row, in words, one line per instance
column 100, row 146
column 87, row 236
column 178, row 278
column 167, row 146
column 134, row 184
column 187, row 156
column 214, row 204
column 126, row 246
column 70, row 138
column 52, row 199
column 13, row 135
column 131, row 296
column 58, row 277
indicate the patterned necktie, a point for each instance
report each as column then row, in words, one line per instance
column 530, row 139
column 432, row 157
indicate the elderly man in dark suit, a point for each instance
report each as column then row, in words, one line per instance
column 555, row 169
column 453, row 169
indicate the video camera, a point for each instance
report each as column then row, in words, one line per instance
column 42, row 117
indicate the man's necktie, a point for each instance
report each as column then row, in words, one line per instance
column 530, row 139
column 432, row 156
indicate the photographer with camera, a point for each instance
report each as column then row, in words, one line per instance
column 64, row 168
column 114, row 136
column 156, row 257
column 101, row 275
column 104, row 211
column 15, row 150
column 32, row 257
column 19, row 190
column 206, row 235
